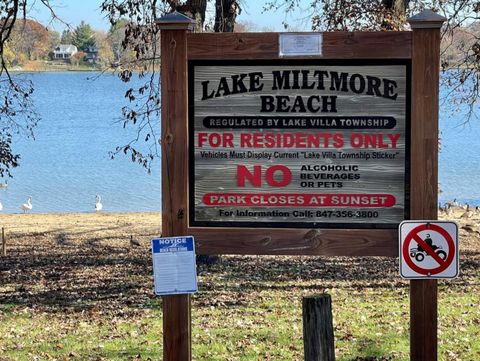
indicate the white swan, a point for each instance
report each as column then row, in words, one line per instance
column 1, row 206
column 98, row 203
column 4, row 185
column 27, row 206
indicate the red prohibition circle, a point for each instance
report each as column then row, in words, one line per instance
column 431, row 227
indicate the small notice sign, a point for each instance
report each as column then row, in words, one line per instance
column 428, row 249
column 174, row 266
column 300, row 44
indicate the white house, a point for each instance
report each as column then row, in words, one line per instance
column 64, row 51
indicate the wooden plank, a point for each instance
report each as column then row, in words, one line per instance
column 424, row 170
column 288, row 241
column 174, row 132
column 336, row 45
column 424, row 125
column 176, row 309
column 177, row 317
column 423, row 320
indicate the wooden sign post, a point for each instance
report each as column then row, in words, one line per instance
column 424, row 172
column 299, row 144
column 177, row 328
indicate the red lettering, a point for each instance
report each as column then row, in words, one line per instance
column 243, row 173
column 215, row 139
column 356, row 140
column 394, row 138
column 245, row 140
column 286, row 176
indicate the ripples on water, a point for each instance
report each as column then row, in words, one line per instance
column 68, row 163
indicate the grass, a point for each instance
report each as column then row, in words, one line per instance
column 73, row 288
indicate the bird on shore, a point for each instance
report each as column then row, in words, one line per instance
column 453, row 203
column 440, row 208
column 98, row 203
column 4, row 185
column 134, row 242
column 448, row 209
column 468, row 213
column 1, row 206
column 27, row 206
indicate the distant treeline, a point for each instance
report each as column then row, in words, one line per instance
column 32, row 40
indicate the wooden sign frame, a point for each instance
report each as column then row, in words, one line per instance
column 421, row 47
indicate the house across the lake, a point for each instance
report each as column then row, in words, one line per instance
column 91, row 54
column 64, row 51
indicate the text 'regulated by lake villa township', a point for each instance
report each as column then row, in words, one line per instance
column 290, row 145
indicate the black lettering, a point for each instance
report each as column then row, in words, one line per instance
column 268, row 104
column 310, row 106
column 282, row 101
column 373, row 86
column 295, row 79
column 357, row 88
column 255, row 84
column 222, row 87
column 281, row 79
column 389, row 86
column 205, row 91
column 305, row 84
column 338, row 82
column 237, row 84
column 332, row 104
column 298, row 103
column 320, row 75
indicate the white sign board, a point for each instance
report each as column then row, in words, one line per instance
column 174, row 266
column 299, row 143
column 300, row 44
column 428, row 249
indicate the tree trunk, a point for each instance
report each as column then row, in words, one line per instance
column 398, row 6
column 225, row 15
column 196, row 10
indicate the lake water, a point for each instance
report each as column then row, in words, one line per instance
column 69, row 162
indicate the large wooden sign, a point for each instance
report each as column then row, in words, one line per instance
column 299, row 143
column 311, row 155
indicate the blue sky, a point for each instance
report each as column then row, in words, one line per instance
column 73, row 11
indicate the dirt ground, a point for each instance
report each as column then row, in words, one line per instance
column 53, row 259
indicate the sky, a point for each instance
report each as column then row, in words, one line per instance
column 74, row 11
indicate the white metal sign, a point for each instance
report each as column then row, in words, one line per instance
column 428, row 249
column 174, row 266
column 300, row 44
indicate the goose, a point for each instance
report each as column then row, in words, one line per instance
column 4, row 185
column 444, row 208
column 134, row 242
column 453, row 203
column 98, row 203
column 448, row 209
column 468, row 213
column 27, row 206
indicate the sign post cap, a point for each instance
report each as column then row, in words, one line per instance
column 175, row 21
column 427, row 19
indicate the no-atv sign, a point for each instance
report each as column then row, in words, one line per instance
column 428, row 249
